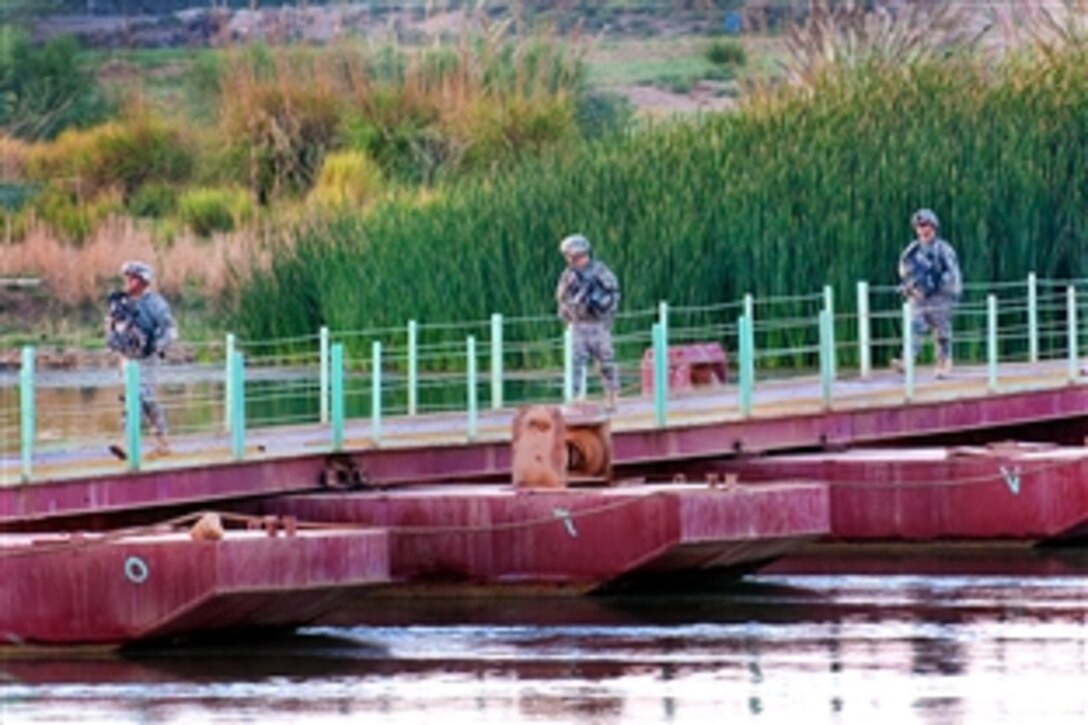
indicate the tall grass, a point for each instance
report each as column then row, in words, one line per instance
column 81, row 277
column 802, row 186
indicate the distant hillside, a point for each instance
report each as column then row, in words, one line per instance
column 188, row 23
column 158, row 7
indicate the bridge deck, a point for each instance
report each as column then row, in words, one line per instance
column 786, row 414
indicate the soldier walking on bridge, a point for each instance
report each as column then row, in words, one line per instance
column 931, row 282
column 588, row 295
column 140, row 327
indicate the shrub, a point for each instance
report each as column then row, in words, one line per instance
column 153, row 200
column 141, row 150
column 43, row 87
column 601, row 113
column 210, row 210
column 495, row 131
column 71, row 217
column 400, row 131
column 122, row 154
column 726, row 52
column 280, row 116
column 14, row 196
column 348, row 179
column 69, row 163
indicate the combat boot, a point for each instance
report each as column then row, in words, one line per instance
column 162, row 445
column 943, row 369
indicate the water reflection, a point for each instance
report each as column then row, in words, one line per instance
column 80, row 406
column 796, row 648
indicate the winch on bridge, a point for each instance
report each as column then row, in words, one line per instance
column 554, row 447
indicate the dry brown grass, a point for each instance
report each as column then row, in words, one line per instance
column 13, row 153
column 78, row 275
column 838, row 35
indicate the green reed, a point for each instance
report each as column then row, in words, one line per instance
column 796, row 189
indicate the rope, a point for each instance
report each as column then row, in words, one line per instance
column 171, row 526
column 86, row 541
column 509, row 526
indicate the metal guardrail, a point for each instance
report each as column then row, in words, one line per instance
column 20, row 282
column 425, row 369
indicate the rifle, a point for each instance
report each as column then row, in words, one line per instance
column 126, row 336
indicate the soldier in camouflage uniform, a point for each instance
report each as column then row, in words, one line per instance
column 588, row 295
column 140, row 327
column 931, row 282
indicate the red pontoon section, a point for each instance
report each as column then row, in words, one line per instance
column 93, row 589
column 580, row 539
column 1027, row 493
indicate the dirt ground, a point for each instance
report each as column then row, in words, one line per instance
column 659, row 102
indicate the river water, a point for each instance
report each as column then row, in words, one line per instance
column 1007, row 644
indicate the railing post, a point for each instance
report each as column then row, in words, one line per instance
column 745, row 366
column 323, row 374
column 375, row 392
column 829, row 306
column 336, row 390
column 413, row 367
column 865, row 352
column 132, row 414
column 1033, row 318
column 750, row 314
column 826, row 354
column 991, row 343
column 1071, row 333
column 496, row 362
column 661, row 375
column 228, row 387
column 908, row 354
column 27, row 425
column 238, row 406
column 473, row 403
column 663, row 320
column 568, row 365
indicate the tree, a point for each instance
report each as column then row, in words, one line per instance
column 43, row 89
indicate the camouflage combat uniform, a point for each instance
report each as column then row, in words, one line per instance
column 588, row 298
column 144, row 339
column 932, row 283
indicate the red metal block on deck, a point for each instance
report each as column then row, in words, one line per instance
column 690, row 366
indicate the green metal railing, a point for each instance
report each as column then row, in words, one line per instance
column 426, row 369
